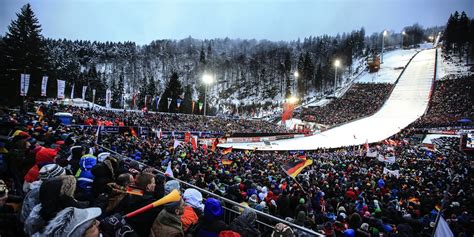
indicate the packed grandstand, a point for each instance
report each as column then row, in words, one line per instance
column 387, row 153
column 394, row 186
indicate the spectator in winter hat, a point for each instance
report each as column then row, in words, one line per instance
column 55, row 194
column 211, row 224
column 172, row 185
column 193, row 208
column 193, row 198
column 32, row 197
column 85, row 178
column 282, row 230
column 43, row 157
column 168, row 222
column 74, row 222
column 245, row 224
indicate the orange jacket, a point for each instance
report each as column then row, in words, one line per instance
column 188, row 218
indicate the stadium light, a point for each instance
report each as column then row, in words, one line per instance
column 383, row 39
column 403, row 37
column 207, row 79
column 337, row 63
column 292, row 100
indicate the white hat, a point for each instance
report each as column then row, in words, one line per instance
column 72, row 222
column 102, row 156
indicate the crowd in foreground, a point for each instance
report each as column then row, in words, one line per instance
column 60, row 181
column 362, row 99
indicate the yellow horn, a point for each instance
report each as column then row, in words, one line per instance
column 174, row 196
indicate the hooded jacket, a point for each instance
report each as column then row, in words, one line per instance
column 167, row 224
column 245, row 224
column 85, row 178
column 43, row 157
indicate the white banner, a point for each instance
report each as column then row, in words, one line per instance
column 372, row 153
column 169, row 102
column 24, row 84
column 84, row 89
column 44, row 84
column 61, row 87
column 395, row 173
column 390, row 159
column 108, row 98
column 72, row 92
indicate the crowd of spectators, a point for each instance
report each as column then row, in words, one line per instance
column 451, row 103
column 362, row 99
column 167, row 121
column 60, row 181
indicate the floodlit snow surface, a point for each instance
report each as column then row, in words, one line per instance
column 393, row 63
column 408, row 101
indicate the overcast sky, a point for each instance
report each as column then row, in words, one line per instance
column 145, row 20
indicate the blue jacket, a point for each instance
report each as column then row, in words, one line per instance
column 84, row 175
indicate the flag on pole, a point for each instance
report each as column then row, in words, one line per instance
column 61, row 87
column 24, row 84
column 227, row 151
column 194, row 142
column 204, row 147
column 178, row 102
column 442, row 229
column 72, row 92
column 97, row 135
column 192, row 110
column 159, row 134
column 44, row 84
column 133, row 132
column 187, row 137
column 169, row 171
column 295, row 168
column 214, row 145
column 93, row 96
column 108, row 98
column 169, row 102
column 226, row 162
column 84, row 89
column 176, row 143
column 200, row 106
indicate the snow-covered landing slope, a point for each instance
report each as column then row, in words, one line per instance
column 407, row 102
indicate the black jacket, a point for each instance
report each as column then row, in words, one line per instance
column 143, row 222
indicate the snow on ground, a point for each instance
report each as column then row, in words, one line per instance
column 449, row 68
column 393, row 63
column 408, row 101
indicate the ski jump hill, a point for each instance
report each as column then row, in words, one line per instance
column 407, row 102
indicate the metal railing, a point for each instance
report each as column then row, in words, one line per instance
column 265, row 221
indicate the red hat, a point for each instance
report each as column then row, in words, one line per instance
column 46, row 155
column 228, row 233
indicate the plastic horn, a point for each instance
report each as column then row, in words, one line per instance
column 174, row 196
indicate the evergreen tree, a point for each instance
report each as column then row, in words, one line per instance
column 117, row 92
column 173, row 91
column 202, row 56
column 187, row 105
column 151, row 92
column 287, row 74
column 308, row 72
column 22, row 52
column 300, row 81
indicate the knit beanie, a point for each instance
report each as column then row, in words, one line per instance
column 50, row 171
